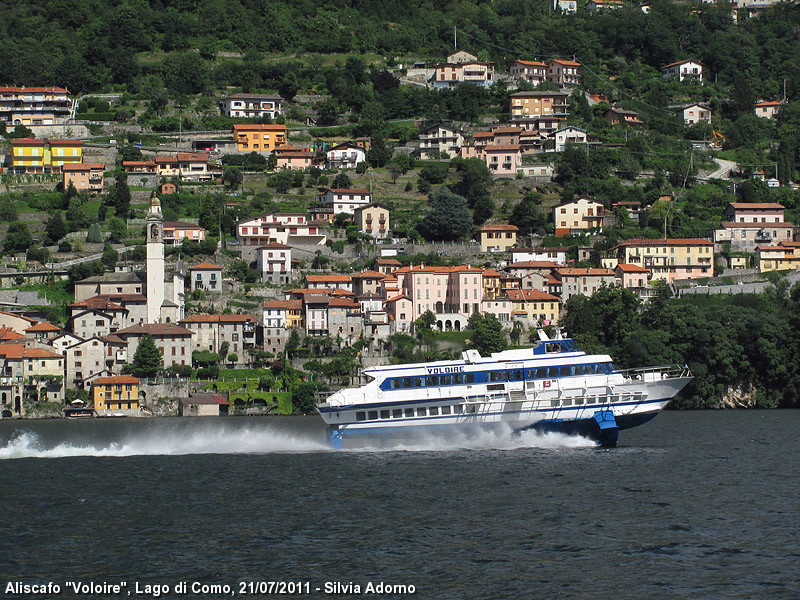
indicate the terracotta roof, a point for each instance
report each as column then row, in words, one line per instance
column 396, row 298
column 499, row 227
column 13, row 351
column 508, row 130
column 491, row 273
column 533, row 264
column 116, row 380
column 205, row 266
column 536, row 295
column 769, row 103
column 6, row 333
column 155, row 329
column 369, row 275
column 534, row 63
column 347, row 191
column 592, row 271
column 276, row 303
column 205, row 399
column 483, row 134
column 44, row 326
column 97, row 303
column 567, row 63
column 82, row 167
column 40, row 353
column 345, row 302
column 339, row 292
column 259, row 128
column 27, row 142
column 680, row 62
column 24, row 88
column 757, row 206
column 138, row 163
column 388, row 262
column 328, row 278
column 632, row 269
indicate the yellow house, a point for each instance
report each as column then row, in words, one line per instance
column 536, row 306
column 578, row 216
column 498, row 237
column 116, row 393
column 259, row 138
column 669, row 259
column 31, row 155
column 785, row 255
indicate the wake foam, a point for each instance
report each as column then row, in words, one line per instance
column 174, row 443
column 220, row 439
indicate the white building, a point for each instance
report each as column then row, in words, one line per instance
column 277, row 227
column 345, row 156
column 696, row 113
column 684, row 69
column 345, row 200
column 252, row 105
column 569, row 135
column 275, row 262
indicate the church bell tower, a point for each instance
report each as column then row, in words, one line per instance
column 155, row 260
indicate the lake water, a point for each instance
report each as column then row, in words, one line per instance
column 690, row 505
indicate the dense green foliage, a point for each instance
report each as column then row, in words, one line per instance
column 449, row 217
column 730, row 342
column 146, row 359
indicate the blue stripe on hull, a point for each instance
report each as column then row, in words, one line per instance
column 587, row 428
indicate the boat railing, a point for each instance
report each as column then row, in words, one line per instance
column 648, row 374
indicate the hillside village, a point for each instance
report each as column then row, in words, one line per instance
column 240, row 251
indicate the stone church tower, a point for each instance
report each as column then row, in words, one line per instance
column 155, row 260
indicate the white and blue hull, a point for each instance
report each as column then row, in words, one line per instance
column 517, row 390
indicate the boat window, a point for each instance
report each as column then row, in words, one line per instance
column 541, row 373
column 572, row 346
column 373, row 414
column 516, row 375
column 417, row 381
column 421, row 412
column 497, row 376
column 433, row 380
column 471, row 408
column 577, row 370
column 397, row 413
column 458, row 378
column 409, row 412
column 458, row 409
column 615, row 398
column 384, row 414
column 606, row 367
column 469, row 378
column 564, row 371
column 567, row 401
column 408, row 382
column 552, row 372
column 554, row 403
column 445, row 410
column 397, row 383
column 552, row 348
column 434, row 411
column 361, row 416
column 444, row 379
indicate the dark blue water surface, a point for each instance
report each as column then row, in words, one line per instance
column 691, row 505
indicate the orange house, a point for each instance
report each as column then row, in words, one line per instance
column 259, row 138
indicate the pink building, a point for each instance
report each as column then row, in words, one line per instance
column 503, row 159
column 563, row 72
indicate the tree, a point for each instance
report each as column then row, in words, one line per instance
column 110, row 257
column 232, row 178
column 233, row 358
column 475, row 185
column 118, row 230
column 283, row 181
column 293, row 343
column 426, row 320
column 122, row 196
column 56, row 228
column 394, row 171
column 303, row 399
column 147, row 359
column 379, row 154
column 342, row 181
column 434, row 172
column 487, row 333
column 18, row 238
column 94, row 235
column 449, row 217
column 528, row 215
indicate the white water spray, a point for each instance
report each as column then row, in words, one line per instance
column 222, row 439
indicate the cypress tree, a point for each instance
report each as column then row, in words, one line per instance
column 147, row 359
